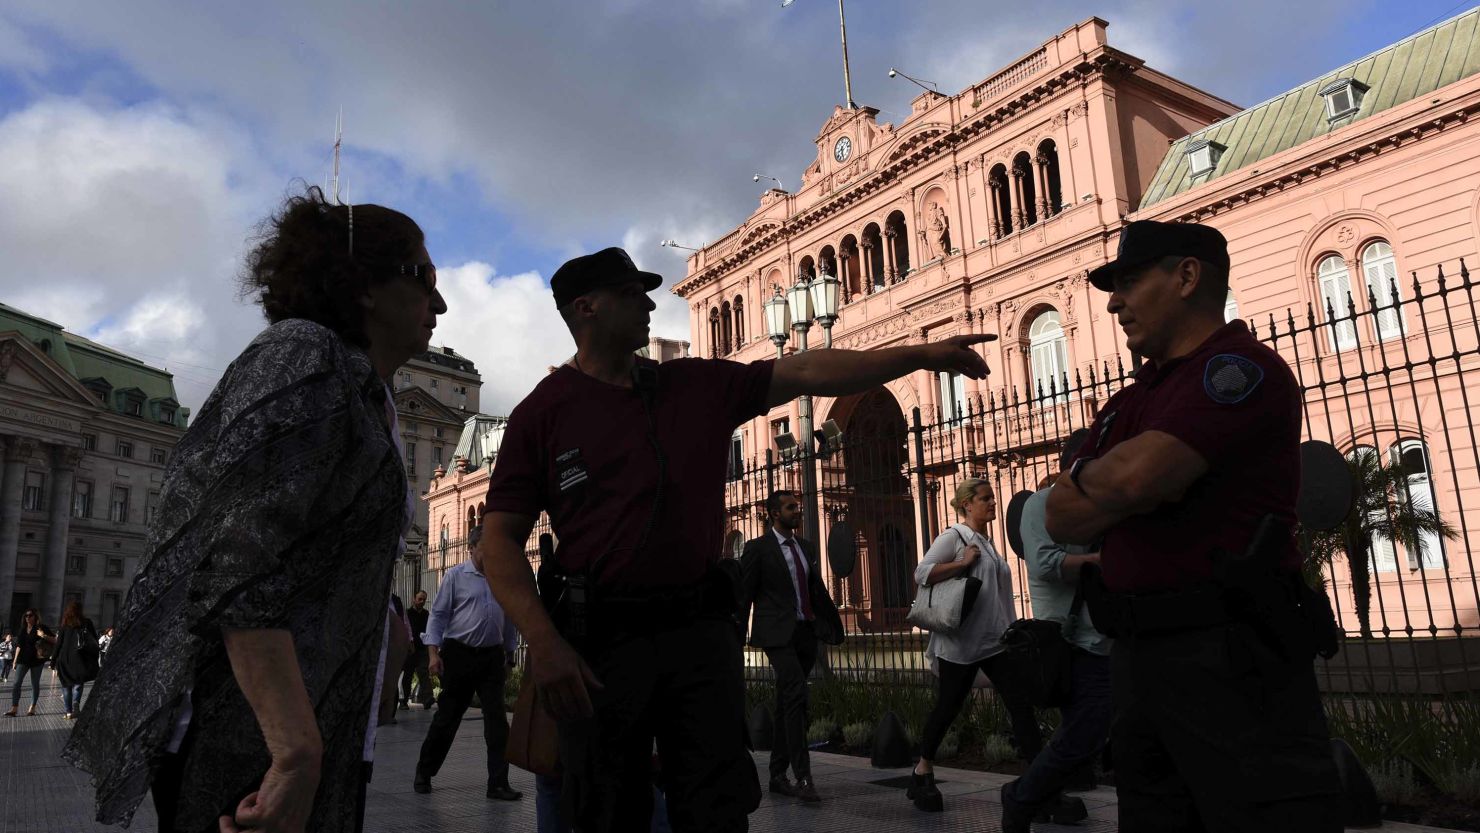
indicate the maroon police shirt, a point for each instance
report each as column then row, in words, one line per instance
column 578, row 448
column 1236, row 403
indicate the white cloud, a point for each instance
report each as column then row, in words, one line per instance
column 127, row 225
column 508, row 326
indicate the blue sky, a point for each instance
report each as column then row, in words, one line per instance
column 142, row 141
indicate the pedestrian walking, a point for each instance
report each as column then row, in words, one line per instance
column 1084, row 725
column 240, row 688
column 415, row 666
column 34, row 646
column 103, row 642
column 976, row 646
column 7, row 656
column 76, row 658
column 628, row 457
column 781, row 575
column 1188, row 484
column 470, row 645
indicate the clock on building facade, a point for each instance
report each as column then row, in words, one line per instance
column 843, row 149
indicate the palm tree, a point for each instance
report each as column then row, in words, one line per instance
column 1383, row 507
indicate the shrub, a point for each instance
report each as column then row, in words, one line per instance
column 997, row 750
column 950, row 746
column 858, row 735
column 822, row 730
column 1463, row 784
column 1394, row 782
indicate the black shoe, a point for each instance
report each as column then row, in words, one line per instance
column 1016, row 818
column 807, row 791
column 1061, row 810
column 923, row 792
column 503, row 793
column 405, row 707
column 781, row 786
column 422, row 782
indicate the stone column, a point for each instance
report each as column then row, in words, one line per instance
column 64, row 460
column 1040, row 167
column 1019, row 215
column 17, row 451
column 890, row 256
column 992, row 209
column 844, row 275
column 866, row 265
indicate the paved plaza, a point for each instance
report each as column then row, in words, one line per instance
column 40, row 794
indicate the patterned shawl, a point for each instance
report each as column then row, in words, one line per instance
column 282, row 507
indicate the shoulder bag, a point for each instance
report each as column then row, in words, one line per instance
column 534, row 736
column 942, row 607
column 1038, row 657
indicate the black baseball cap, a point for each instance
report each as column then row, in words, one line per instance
column 608, row 267
column 1145, row 241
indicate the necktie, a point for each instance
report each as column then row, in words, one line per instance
column 802, row 589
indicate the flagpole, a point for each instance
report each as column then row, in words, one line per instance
column 847, row 79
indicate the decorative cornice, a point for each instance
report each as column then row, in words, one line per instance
column 1106, row 61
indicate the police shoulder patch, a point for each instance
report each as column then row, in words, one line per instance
column 1229, row 379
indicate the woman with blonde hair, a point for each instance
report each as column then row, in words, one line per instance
column 956, row 657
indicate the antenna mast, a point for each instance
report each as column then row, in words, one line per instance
column 338, row 140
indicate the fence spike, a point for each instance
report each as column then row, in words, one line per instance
column 1464, row 273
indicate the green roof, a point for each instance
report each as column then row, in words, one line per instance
column 86, row 359
column 1413, row 67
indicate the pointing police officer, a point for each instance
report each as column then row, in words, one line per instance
column 1188, row 482
column 628, row 458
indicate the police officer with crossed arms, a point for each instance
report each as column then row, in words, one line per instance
column 1188, row 482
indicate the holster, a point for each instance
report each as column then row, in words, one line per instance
column 584, row 612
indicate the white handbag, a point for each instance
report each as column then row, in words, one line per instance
column 943, row 606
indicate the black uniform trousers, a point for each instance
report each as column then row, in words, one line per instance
column 793, row 663
column 1214, row 731
column 682, row 685
column 465, row 671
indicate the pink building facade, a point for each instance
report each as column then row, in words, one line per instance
column 984, row 212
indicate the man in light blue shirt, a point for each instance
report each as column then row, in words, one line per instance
column 470, row 644
column 1053, row 578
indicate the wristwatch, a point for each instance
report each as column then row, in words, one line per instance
column 1076, row 470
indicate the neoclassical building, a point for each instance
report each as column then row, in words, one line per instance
column 984, row 211
column 86, row 431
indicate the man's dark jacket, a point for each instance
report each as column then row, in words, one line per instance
column 766, row 583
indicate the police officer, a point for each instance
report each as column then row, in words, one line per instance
column 628, row 457
column 1188, row 482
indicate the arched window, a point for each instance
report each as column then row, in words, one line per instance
column 1415, row 502
column 725, row 324
column 806, row 267
column 714, row 331
column 1382, row 552
column 1022, row 173
column 849, row 268
column 1048, row 163
column 739, row 309
column 1001, row 197
column 873, row 256
column 895, row 223
column 1335, row 289
column 1048, row 356
column 472, row 522
column 444, row 538
column 1381, row 272
column 1230, row 308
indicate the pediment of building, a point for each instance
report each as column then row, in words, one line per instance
column 28, row 372
column 413, row 401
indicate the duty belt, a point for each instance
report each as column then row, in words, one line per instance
column 1123, row 615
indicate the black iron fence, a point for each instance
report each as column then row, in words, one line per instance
column 1386, row 379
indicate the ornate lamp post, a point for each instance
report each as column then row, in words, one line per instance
column 778, row 321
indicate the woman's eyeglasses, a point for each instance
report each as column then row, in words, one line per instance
column 423, row 273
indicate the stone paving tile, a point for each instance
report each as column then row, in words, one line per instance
column 39, row 794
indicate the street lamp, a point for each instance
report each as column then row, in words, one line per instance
column 807, row 300
column 673, row 244
column 759, row 177
column 778, row 321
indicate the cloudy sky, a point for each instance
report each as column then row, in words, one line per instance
column 141, row 142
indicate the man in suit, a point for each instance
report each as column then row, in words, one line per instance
column 782, row 578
